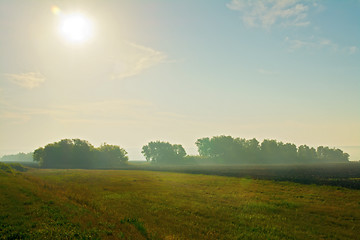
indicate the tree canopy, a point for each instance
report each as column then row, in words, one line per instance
column 77, row 153
column 163, row 152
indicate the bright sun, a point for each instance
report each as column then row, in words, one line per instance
column 76, row 28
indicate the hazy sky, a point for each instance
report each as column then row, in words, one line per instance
column 180, row 70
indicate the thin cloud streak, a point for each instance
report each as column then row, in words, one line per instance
column 139, row 59
column 102, row 112
column 26, row 80
column 258, row 13
column 317, row 43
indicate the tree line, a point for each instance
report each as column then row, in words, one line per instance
column 20, row 157
column 228, row 150
column 77, row 153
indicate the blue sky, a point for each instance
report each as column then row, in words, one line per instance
column 181, row 70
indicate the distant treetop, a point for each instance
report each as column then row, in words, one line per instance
column 163, row 152
column 20, row 157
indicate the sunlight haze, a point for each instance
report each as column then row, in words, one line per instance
column 130, row 72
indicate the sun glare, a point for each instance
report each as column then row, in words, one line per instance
column 76, row 28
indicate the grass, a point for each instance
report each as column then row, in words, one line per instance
column 127, row 204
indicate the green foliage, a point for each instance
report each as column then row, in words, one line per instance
column 9, row 168
column 6, row 168
column 110, row 155
column 77, row 153
column 273, row 151
column 163, row 152
column 137, row 224
column 204, row 147
column 326, row 154
column 306, row 154
column 226, row 149
column 18, row 167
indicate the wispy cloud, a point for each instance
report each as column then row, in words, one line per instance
column 266, row 13
column 14, row 117
column 11, row 113
column 353, row 49
column 113, row 112
column 319, row 43
column 137, row 59
column 27, row 80
column 311, row 42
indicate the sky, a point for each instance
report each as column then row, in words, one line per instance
column 180, row 70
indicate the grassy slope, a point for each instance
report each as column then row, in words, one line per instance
column 50, row 204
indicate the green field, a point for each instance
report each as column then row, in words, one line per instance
column 129, row 204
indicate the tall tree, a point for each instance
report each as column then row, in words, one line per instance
column 110, row 155
column 306, row 154
column 163, row 152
